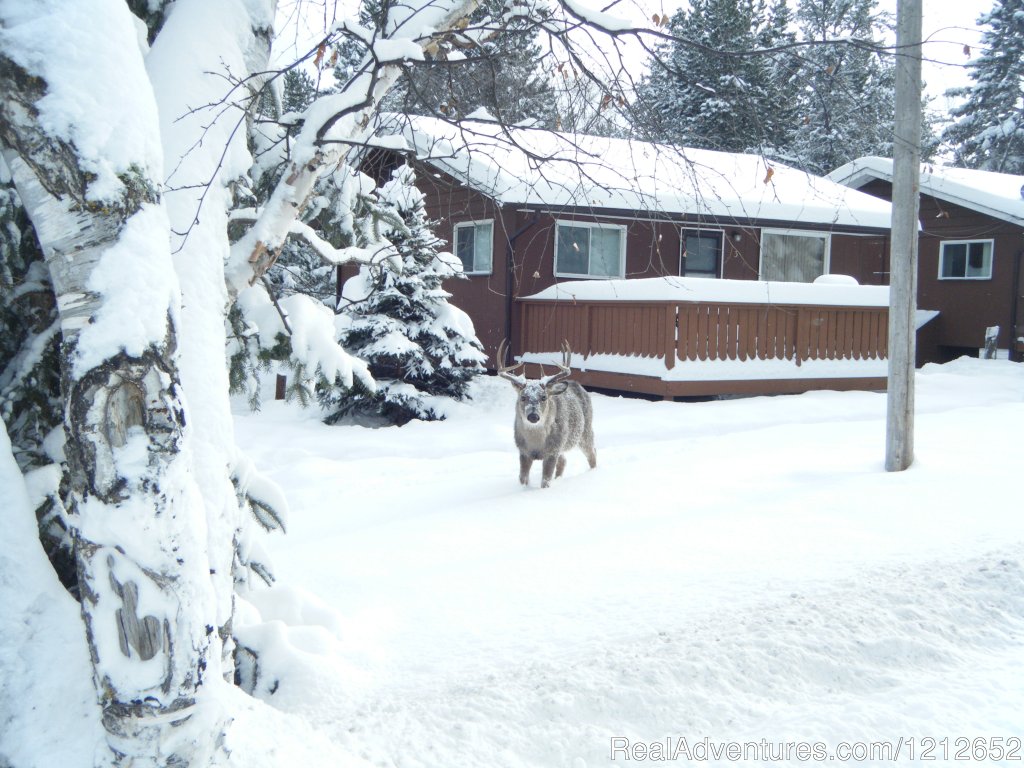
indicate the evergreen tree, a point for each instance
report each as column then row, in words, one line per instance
column 418, row 346
column 498, row 69
column 710, row 88
column 298, row 92
column 848, row 101
column 989, row 131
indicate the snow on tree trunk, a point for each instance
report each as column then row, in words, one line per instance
column 80, row 138
column 200, row 44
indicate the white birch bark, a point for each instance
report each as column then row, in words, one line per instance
column 143, row 572
column 200, row 42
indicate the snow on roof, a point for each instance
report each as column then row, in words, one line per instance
column 825, row 293
column 528, row 166
column 997, row 194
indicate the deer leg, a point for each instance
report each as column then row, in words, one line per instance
column 588, row 450
column 549, row 470
column 525, row 462
column 560, row 466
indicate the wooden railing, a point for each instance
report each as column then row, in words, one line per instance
column 680, row 331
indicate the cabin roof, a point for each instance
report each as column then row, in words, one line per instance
column 1000, row 195
column 541, row 168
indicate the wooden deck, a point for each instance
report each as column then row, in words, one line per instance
column 678, row 348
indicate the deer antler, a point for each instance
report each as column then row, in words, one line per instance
column 505, row 371
column 564, row 369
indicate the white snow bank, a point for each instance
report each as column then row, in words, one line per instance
column 694, row 289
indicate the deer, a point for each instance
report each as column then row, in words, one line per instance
column 552, row 416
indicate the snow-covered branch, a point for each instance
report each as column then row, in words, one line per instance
column 349, row 116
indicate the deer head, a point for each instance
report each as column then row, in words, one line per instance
column 534, row 394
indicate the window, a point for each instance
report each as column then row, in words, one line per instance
column 474, row 242
column 702, row 251
column 966, row 260
column 796, row 257
column 590, row 250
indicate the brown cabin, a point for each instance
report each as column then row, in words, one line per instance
column 969, row 255
column 526, row 210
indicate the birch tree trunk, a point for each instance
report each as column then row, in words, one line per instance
column 146, row 596
column 153, row 507
column 204, row 44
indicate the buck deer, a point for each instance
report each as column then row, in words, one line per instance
column 552, row 416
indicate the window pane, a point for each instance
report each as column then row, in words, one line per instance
column 573, row 250
column 792, row 258
column 979, row 260
column 954, row 259
column 605, row 250
column 484, row 242
column 464, row 247
column 702, row 254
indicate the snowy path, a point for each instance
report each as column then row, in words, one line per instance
column 738, row 570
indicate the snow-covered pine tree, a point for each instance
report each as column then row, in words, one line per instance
column 498, row 69
column 420, row 348
column 847, row 101
column 298, row 91
column 989, row 130
column 710, row 88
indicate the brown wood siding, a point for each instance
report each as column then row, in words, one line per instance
column 482, row 297
column 966, row 307
column 865, row 258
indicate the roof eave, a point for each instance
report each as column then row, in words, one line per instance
column 855, row 175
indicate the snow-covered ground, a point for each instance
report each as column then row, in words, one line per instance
column 736, row 571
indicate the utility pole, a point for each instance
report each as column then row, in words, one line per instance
column 906, row 182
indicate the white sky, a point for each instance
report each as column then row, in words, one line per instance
column 947, row 27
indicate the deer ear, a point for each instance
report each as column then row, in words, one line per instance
column 558, row 388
